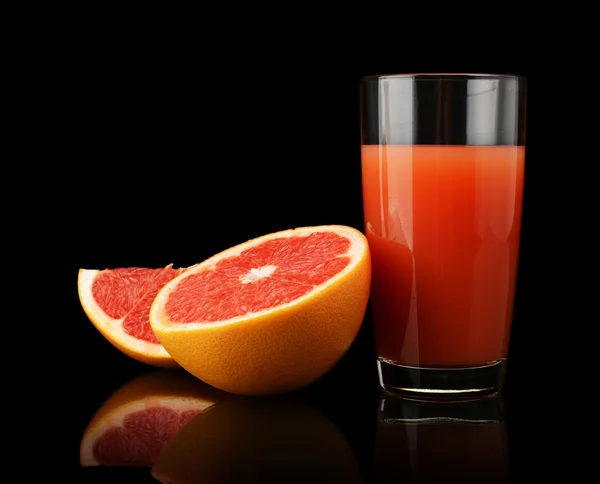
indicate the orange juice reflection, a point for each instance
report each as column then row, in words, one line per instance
column 443, row 224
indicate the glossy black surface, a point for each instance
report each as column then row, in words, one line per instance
column 171, row 167
column 343, row 428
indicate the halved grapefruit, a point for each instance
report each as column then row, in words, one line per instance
column 117, row 302
column 270, row 315
column 271, row 439
column 132, row 426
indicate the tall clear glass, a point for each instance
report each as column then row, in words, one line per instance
column 443, row 159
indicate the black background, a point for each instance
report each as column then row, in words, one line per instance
column 183, row 145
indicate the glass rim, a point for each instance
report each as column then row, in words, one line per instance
column 442, row 76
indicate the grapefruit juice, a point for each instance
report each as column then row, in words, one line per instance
column 443, row 225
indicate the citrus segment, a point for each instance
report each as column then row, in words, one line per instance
column 132, row 426
column 118, row 301
column 270, row 315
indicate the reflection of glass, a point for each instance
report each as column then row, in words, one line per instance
column 443, row 162
column 418, row 441
column 133, row 424
column 270, row 439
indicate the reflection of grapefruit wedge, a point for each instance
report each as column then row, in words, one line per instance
column 117, row 303
column 270, row 315
column 269, row 439
column 133, row 424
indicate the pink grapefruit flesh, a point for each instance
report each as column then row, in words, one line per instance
column 262, row 277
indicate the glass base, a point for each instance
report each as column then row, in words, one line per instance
column 441, row 383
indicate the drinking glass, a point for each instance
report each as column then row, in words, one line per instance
column 443, row 159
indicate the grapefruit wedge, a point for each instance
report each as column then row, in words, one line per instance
column 132, row 426
column 270, row 315
column 271, row 439
column 117, row 302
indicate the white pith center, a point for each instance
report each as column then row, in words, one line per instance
column 255, row 274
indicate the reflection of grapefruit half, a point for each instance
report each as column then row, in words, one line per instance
column 270, row 315
column 133, row 424
column 269, row 439
column 117, row 303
